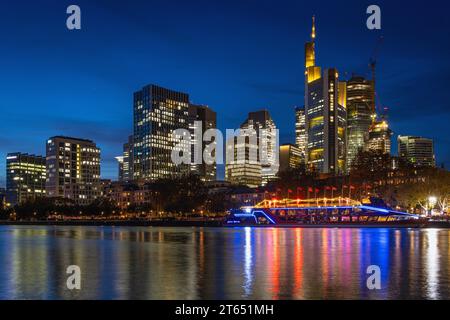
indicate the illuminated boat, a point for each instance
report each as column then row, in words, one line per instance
column 321, row 211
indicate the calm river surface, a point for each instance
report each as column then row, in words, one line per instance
column 223, row 263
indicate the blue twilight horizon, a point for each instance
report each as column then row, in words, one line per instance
column 235, row 56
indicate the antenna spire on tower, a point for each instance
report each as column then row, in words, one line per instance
column 313, row 31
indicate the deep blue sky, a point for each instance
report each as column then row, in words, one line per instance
column 235, row 56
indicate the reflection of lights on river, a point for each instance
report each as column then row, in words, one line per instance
column 274, row 259
column 432, row 263
column 248, row 261
column 298, row 264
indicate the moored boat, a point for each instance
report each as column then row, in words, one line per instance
column 322, row 212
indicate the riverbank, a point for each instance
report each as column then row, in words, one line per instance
column 217, row 223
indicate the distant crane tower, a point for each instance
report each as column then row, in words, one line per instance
column 372, row 66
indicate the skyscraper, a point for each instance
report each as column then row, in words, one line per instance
column 248, row 167
column 379, row 137
column 300, row 132
column 157, row 113
column 120, row 164
column 73, row 169
column 416, row 150
column 125, row 161
column 207, row 117
column 243, row 170
column 326, row 115
column 360, row 109
column 268, row 144
column 290, row 157
column 25, row 177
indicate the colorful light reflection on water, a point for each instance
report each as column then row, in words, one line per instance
column 223, row 263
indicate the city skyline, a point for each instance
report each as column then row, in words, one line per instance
column 111, row 123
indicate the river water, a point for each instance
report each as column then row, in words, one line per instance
column 223, row 263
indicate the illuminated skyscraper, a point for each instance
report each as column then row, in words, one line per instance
column 326, row 115
column 300, row 132
column 125, row 161
column 128, row 160
column 157, row 113
column 120, row 163
column 243, row 171
column 73, row 169
column 25, row 177
column 359, row 115
column 207, row 118
column 257, row 171
column 379, row 137
column 290, row 157
column 268, row 145
column 416, row 150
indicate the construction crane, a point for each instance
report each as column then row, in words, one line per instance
column 372, row 66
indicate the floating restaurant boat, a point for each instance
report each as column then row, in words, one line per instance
column 322, row 212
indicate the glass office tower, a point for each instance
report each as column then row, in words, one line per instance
column 157, row 113
column 418, row 151
column 25, row 177
column 360, row 111
column 325, row 114
column 200, row 114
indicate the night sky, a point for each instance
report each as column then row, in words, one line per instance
column 235, row 56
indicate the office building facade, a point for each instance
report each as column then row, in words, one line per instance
column 201, row 119
column 325, row 114
column 418, row 151
column 360, row 112
column 379, row 137
column 290, row 157
column 25, row 177
column 244, row 169
column 125, row 162
column 254, row 152
column 73, row 169
column 301, row 138
column 268, row 143
column 120, row 168
column 157, row 113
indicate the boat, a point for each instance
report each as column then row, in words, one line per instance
column 322, row 212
